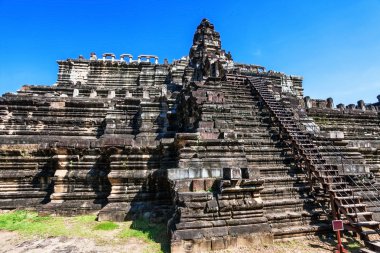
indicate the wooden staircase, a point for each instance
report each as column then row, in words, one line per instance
column 326, row 182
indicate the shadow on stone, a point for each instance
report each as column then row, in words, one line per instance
column 156, row 232
column 97, row 177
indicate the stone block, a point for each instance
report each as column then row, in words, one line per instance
column 193, row 225
column 229, row 135
column 183, row 185
column 217, row 244
column 231, row 242
column 198, row 185
column 232, row 173
column 189, row 234
column 209, row 136
column 209, row 184
column 215, row 232
column 75, row 93
column 206, row 124
column 335, row 135
column 146, row 94
column 249, row 229
column 57, row 105
column 212, row 206
column 174, row 174
column 93, row 94
column 112, row 215
column 195, row 173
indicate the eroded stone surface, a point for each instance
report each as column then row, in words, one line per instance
column 176, row 142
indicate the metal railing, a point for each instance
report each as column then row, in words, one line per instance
column 320, row 165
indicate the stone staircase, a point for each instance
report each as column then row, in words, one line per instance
column 326, row 177
column 232, row 151
column 359, row 147
column 289, row 209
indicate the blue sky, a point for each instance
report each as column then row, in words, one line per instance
column 334, row 45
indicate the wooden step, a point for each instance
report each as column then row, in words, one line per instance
column 372, row 245
column 371, row 232
column 364, row 250
column 341, row 184
column 348, row 197
column 327, row 171
column 342, row 190
column 366, row 223
column 353, row 205
column 359, row 214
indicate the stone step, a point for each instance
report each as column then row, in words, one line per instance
column 366, row 223
column 289, row 232
column 363, row 250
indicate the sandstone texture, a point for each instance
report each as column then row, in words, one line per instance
column 228, row 154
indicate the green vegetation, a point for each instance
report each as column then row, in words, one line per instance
column 28, row 224
column 85, row 218
column 353, row 245
column 148, row 232
column 108, row 225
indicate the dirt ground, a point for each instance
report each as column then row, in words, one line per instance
column 12, row 242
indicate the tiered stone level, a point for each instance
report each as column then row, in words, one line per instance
column 194, row 143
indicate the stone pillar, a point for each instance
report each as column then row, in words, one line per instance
column 61, row 184
column 330, row 103
column 123, row 56
column 75, row 93
column 128, row 94
column 308, row 103
column 164, row 91
column 93, row 57
column 111, row 94
column 216, row 65
column 93, row 94
column 146, row 94
column 361, row 105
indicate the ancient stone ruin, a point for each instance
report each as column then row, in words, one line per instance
column 227, row 154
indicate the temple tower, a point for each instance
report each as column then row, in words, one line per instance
column 206, row 54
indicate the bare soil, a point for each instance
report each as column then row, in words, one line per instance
column 12, row 242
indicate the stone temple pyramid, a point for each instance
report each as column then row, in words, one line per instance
column 228, row 154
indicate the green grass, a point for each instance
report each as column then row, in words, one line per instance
column 107, row 225
column 145, row 230
column 85, row 218
column 28, row 224
column 154, row 234
column 353, row 245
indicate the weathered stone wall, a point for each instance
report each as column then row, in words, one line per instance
column 174, row 142
column 119, row 73
column 351, row 132
column 234, row 175
column 73, row 149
